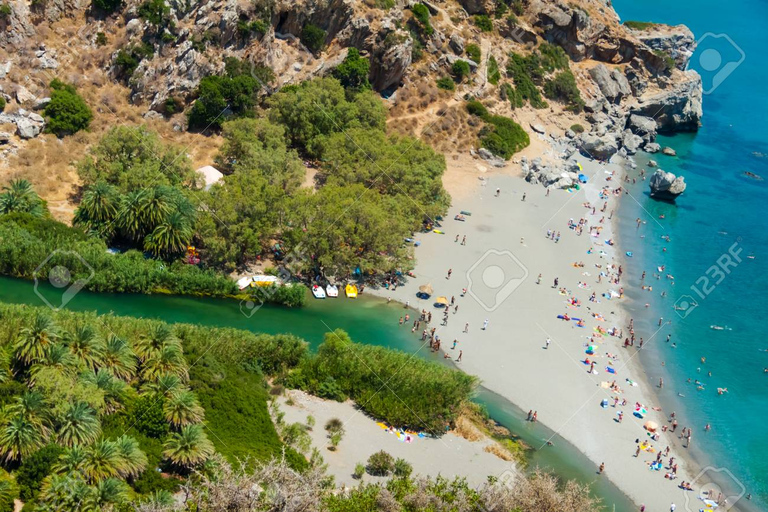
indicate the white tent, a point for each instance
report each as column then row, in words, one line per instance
column 210, row 174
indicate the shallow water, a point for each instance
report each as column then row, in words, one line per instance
column 721, row 207
column 366, row 319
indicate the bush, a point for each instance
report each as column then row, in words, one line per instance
column 525, row 71
column 639, row 25
column 352, row 73
column 107, row 6
column 552, row 57
column 421, row 13
column 67, row 112
column 313, row 37
column 577, row 128
column 128, row 59
column 403, row 468
column 476, row 108
column 34, row 469
column 563, row 88
column 518, row 7
column 484, row 23
column 446, row 83
column 473, row 52
column 359, row 471
column 380, row 464
column 494, row 75
column 101, row 39
column 668, row 63
column 460, row 69
column 5, row 11
column 504, row 137
column 334, row 425
column 2, row 103
column 155, row 12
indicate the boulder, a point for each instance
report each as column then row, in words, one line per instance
column 643, row 126
column 599, row 147
column 669, row 151
column 678, row 109
column 5, row 137
column 27, row 128
column 456, row 43
column 389, row 65
column 491, row 158
column 652, row 163
column 570, row 133
column 41, row 103
column 631, row 142
column 24, row 96
column 652, row 147
column 665, row 186
column 676, row 41
column 613, row 84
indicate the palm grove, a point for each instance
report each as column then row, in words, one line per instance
column 372, row 189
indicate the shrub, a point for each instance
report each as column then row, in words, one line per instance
column 668, row 63
column 403, row 468
column 334, row 425
column 101, row 39
column 67, row 112
column 446, row 83
column 313, row 37
column 476, row 108
column 155, row 12
column 421, row 13
column 552, row 57
column 473, row 52
column 359, row 471
column 518, row 7
column 577, row 128
column 107, row 6
column 460, row 69
column 2, row 103
column 503, row 137
column 34, row 469
column 494, row 75
column 484, row 23
column 5, row 11
column 380, row 464
column 128, row 59
column 353, row 71
column 173, row 105
column 563, row 88
column 525, row 71
column 639, row 25
column 336, row 439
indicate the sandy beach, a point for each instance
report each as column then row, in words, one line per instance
column 506, row 249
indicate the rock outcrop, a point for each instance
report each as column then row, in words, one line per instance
column 28, row 124
column 643, row 126
column 612, row 84
column 676, row 41
column 678, row 109
column 599, row 147
column 665, row 186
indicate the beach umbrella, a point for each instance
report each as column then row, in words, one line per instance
column 426, row 288
column 651, row 426
column 442, row 300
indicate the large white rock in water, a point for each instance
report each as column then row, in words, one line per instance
column 665, row 186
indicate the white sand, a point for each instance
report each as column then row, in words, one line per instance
column 510, row 357
column 449, row 456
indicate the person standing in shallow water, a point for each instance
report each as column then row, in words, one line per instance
column 602, row 468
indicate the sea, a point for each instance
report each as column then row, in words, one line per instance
column 715, row 260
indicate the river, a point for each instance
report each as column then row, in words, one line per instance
column 367, row 320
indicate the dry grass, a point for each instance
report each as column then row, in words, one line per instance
column 499, row 451
column 466, row 429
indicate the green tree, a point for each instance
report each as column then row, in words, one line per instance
column 98, row 209
column 473, row 52
column 67, row 112
column 118, row 358
column 34, row 469
column 86, row 345
column 353, row 71
column 19, row 196
column 19, row 437
column 460, row 69
column 79, row 425
column 35, row 340
column 189, row 447
column 484, row 23
column 563, row 88
column 134, row 461
column 182, row 408
column 134, row 158
column 380, row 464
column 170, row 237
column 313, row 37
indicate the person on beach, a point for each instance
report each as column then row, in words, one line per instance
column 602, row 468
column 523, row 196
column 547, row 343
column 466, row 327
column 530, row 415
column 535, row 416
column 457, row 239
column 458, row 360
column 464, row 240
column 401, row 320
column 485, row 324
column 538, row 279
column 450, row 271
column 498, row 191
column 454, row 344
column 456, row 309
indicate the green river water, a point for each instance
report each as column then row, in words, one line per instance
column 367, row 320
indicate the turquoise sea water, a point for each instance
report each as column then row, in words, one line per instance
column 720, row 208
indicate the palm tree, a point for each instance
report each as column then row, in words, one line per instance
column 188, row 447
column 114, row 389
column 98, row 210
column 20, row 197
column 79, row 425
column 20, row 437
column 182, row 408
column 134, row 460
column 58, row 357
column 169, row 237
column 34, row 342
column 158, row 336
column 32, row 407
column 109, row 491
column 157, row 206
column 165, row 384
column 71, row 461
column 66, row 492
column 168, row 360
column 118, row 358
column 86, row 345
column 130, row 216
column 102, row 460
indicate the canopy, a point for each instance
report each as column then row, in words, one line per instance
column 442, row 300
column 426, row 288
column 651, row 426
column 582, row 178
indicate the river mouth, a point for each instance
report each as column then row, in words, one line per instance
column 367, row 320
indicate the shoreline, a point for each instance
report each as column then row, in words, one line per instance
column 631, row 481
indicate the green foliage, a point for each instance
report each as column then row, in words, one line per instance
column 473, row 52
column 353, row 71
column 5, row 11
column 460, row 69
column 146, row 416
column 9, row 492
column 360, row 371
column 577, row 128
column 247, row 29
column 101, row 39
column 446, row 83
column 129, row 58
column 563, row 88
column 2, row 103
column 524, row 71
column 313, row 37
column 359, row 471
column 639, row 25
column 421, row 14
column 476, row 108
column 34, row 469
column 503, row 137
column 380, row 464
column 156, row 12
column 494, row 75
column 667, row 60
column 67, row 112
column 552, row 57
column 107, row 6
column 318, row 108
column 483, row 22
column 20, row 197
column 402, row 468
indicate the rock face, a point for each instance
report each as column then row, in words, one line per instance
column 491, row 158
column 28, row 124
column 478, row 6
column 389, row 66
column 599, row 147
column 665, row 186
column 677, row 42
column 643, row 126
column 678, row 109
column 612, row 84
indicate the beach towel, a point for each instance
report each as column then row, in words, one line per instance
column 610, row 370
